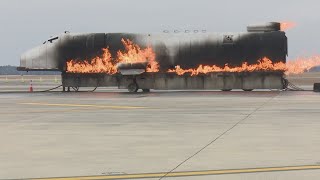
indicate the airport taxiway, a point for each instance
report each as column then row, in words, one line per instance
column 55, row 134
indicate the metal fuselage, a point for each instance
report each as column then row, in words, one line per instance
column 185, row 49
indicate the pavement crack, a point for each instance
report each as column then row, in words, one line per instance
column 218, row 137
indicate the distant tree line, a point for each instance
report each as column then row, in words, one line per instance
column 12, row 70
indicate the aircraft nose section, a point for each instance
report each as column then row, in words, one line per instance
column 23, row 61
column 33, row 58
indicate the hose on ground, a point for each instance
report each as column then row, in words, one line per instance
column 51, row 89
column 289, row 86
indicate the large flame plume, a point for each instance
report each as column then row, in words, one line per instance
column 106, row 64
column 133, row 54
column 98, row 64
column 301, row 65
column 284, row 26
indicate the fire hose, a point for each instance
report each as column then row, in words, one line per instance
column 74, row 88
column 289, row 86
column 51, row 89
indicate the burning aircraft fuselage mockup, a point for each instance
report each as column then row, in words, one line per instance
column 163, row 52
column 186, row 49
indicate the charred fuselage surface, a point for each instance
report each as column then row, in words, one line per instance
column 185, row 49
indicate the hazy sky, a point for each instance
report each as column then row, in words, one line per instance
column 27, row 23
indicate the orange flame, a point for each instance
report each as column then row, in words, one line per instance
column 296, row 66
column 284, row 26
column 96, row 65
column 264, row 64
column 301, row 65
column 135, row 54
column 105, row 64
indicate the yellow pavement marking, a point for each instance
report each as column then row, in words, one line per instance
column 85, row 105
column 188, row 173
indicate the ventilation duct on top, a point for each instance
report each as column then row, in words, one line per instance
column 267, row 27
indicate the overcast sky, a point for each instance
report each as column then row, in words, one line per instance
column 27, row 23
